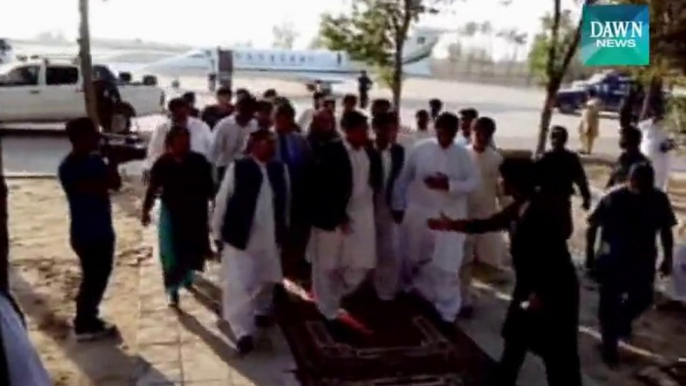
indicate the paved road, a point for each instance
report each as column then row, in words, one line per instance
column 516, row 111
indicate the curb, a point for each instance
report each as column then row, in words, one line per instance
column 12, row 132
column 30, row 176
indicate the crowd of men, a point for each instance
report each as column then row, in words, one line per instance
column 339, row 197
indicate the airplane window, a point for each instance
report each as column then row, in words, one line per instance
column 302, row 59
column 24, row 76
column 61, row 75
column 283, row 57
column 272, row 58
column 260, row 57
column 248, row 57
column 421, row 40
column 292, row 58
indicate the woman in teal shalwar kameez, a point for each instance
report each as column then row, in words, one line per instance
column 184, row 181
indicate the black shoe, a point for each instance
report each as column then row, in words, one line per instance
column 174, row 300
column 264, row 321
column 610, row 356
column 245, row 345
column 466, row 312
column 280, row 294
column 337, row 328
column 626, row 333
column 95, row 331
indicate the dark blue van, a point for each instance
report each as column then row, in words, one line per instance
column 610, row 87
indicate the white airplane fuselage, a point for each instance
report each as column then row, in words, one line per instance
column 306, row 65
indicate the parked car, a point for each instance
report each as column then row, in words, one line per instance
column 43, row 91
column 611, row 88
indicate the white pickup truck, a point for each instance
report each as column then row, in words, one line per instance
column 51, row 92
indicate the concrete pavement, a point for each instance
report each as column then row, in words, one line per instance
column 188, row 348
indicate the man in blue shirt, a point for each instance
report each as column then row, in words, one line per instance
column 87, row 178
column 294, row 150
column 630, row 218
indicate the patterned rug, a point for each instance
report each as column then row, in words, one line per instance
column 383, row 343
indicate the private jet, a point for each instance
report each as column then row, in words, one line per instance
column 309, row 66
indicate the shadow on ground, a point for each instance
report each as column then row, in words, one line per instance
column 105, row 362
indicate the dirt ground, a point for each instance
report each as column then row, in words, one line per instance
column 659, row 336
column 45, row 277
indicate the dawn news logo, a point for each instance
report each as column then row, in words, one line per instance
column 615, row 35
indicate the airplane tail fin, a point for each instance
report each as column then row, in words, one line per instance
column 418, row 49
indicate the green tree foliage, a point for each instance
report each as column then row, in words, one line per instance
column 541, row 44
column 515, row 38
column 667, row 35
column 667, row 51
column 561, row 51
column 375, row 32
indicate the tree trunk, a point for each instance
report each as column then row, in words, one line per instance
column 397, row 77
column 546, row 118
column 555, row 75
column 86, row 63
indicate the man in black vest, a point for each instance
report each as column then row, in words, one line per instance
column 388, row 267
column 250, row 219
column 347, row 174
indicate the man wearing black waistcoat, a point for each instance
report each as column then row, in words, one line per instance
column 348, row 174
column 392, row 155
column 250, row 218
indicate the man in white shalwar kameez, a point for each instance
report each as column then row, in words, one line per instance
column 250, row 218
column 343, row 244
column 179, row 115
column 447, row 177
column 657, row 147
column 230, row 136
column 487, row 248
column 389, row 266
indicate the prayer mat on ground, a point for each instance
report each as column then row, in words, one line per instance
column 378, row 343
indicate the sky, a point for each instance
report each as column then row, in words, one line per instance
column 206, row 23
